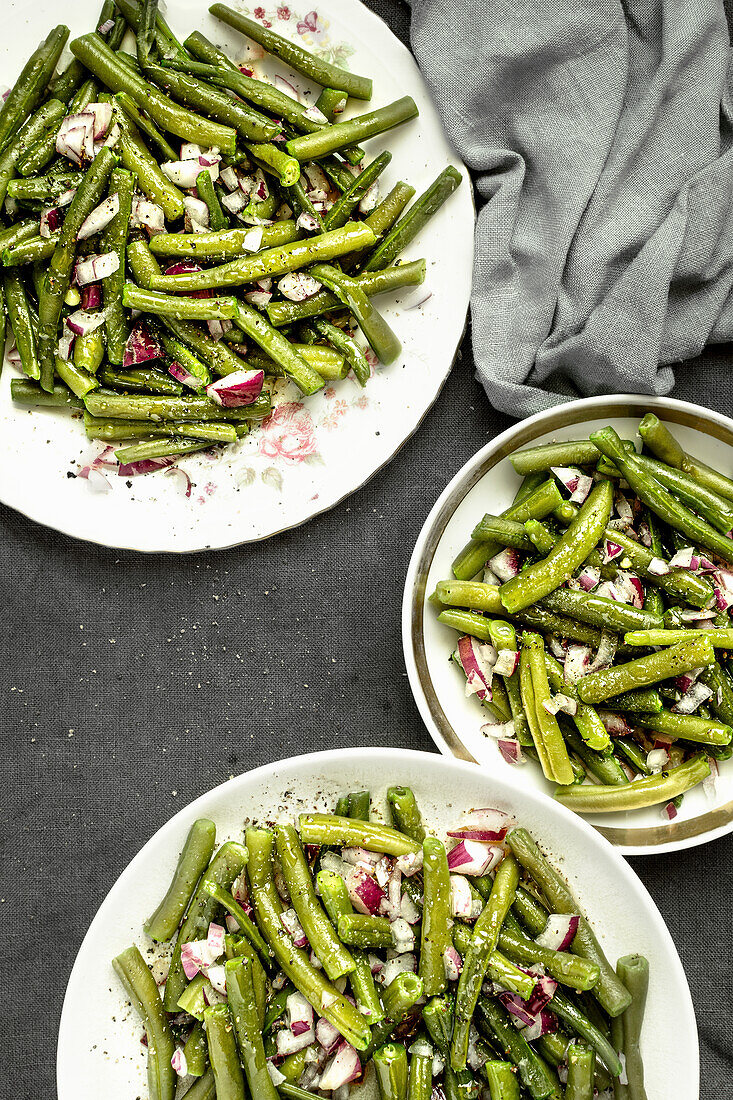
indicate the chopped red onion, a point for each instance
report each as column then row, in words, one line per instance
column 287, row 1042
column 471, row 857
column 92, row 269
column 505, row 564
column 589, row 578
column 197, row 211
column 144, row 466
column 178, row 1061
column 506, row 663
column 605, row 654
column 308, row 223
column 82, row 323
column 343, row 1068
column 577, row 483
column 452, row 963
column 477, row 661
column 656, row 760
column 686, row 559
column 658, row 567
column 410, row 863
column 670, row 811
column 611, row 551
column 105, row 28
column 317, row 178
column 365, row 893
column 710, row 782
column 182, row 173
column 487, row 825
column 235, row 202
column 401, row 964
column 511, row 750
column 502, row 731
column 296, row 286
column 291, row 924
column 252, row 240
column 615, row 724
column 237, row 389
column 91, row 296
column 258, row 298
column 559, row 931
column 315, row 115
column 693, row 698
column 403, row 937
column 147, row 215
column 461, row 899
column 75, row 136
column 52, row 218
column 409, row 910
column 141, row 346
column 327, row 1035
column 560, row 702
column 577, row 663
column 544, row 1023
column 300, row 1016
column 181, row 374
column 360, row 856
column 229, row 178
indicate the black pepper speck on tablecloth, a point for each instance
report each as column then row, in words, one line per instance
column 133, row 684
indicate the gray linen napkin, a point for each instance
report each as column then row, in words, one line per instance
column 599, row 134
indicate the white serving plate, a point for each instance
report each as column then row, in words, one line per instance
column 312, row 454
column 99, row 1051
column 487, row 483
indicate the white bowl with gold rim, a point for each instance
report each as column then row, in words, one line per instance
column 487, row 483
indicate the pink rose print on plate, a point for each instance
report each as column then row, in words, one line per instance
column 283, row 12
column 288, row 433
column 309, row 23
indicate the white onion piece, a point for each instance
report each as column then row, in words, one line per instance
column 181, row 172
column 559, row 931
column 473, row 858
column 296, row 286
column 93, row 269
column 461, row 899
column 343, row 1068
column 99, row 218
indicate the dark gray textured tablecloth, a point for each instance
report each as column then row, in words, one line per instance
column 131, row 685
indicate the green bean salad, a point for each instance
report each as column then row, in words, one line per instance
column 350, row 958
column 179, row 233
column 598, row 636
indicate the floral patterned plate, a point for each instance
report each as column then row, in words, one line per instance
column 308, row 455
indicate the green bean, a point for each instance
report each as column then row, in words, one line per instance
column 141, row 122
column 420, row 1079
column 720, row 638
column 65, row 84
column 341, row 210
column 603, row 765
column 192, row 862
column 393, row 278
column 44, row 148
column 336, row 960
column 146, row 30
column 435, row 936
column 495, row 1022
column 418, row 215
column 530, row 911
column 678, row 583
column 710, row 505
column 646, row 699
column 468, row 622
column 504, row 531
column 61, row 264
column 558, row 761
column 390, row 1062
column 598, row 611
column 642, row 792
column 166, row 41
column 46, row 116
column 23, row 230
column 483, row 942
column 541, row 578
column 105, row 65
column 21, row 323
column 332, row 102
column 142, row 164
column 213, row 103
column 575, row 452
column 633, row 971
column 504, row 636
column 721, row 701
column 206, row 192
column 217, row 355
column 332, row 138
column 536, row 505
column 158, row 448
column 570, row 970
column 399, row 1000
column 223, row 1054
column 28, row 90
column 659, row 500
column 693, row 652
column 147, row 379
column 609, row 992
column 31, row 251
column 347, row 345
column 586, row 720
column 327, row 829
column 237, row 947
column 581, row 1069
column 368, row 933
column 315, row 68
column 406, row 813
column 275, row 160
column 691, row 727
column 324, row 997
column 358, row 805
column 272, row 262
column 633, row 753
column 575, row 1018
column 326, row 362
column 226, row 865
column 380, row 336
column 30, row 393
column 437, row 1016
column 662, row 443
column 195, row 1051
column 337, row 904
column 503, row 1084
column 222, row 243
column 500, row 968
column 114, row 240
column 180, row 308
column 204, row 1088
column 241, row 998
column 140, row 987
